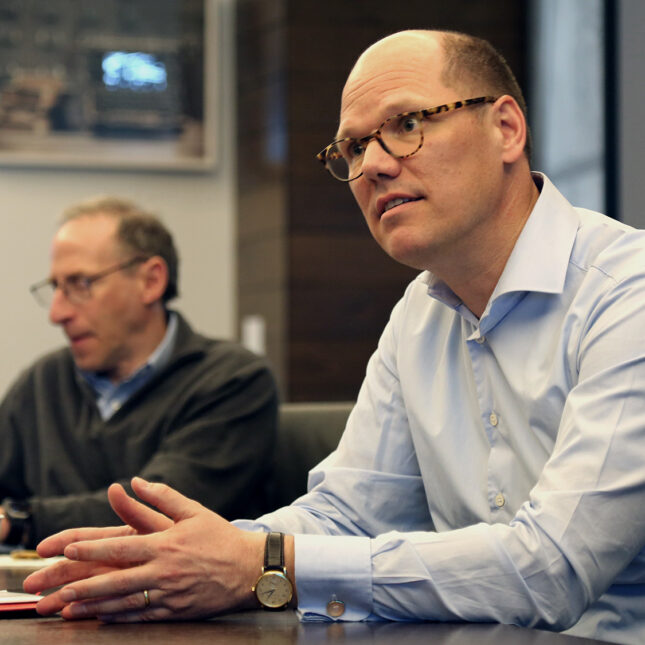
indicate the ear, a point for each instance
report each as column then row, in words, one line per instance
column 154, row 279
column 511, row 125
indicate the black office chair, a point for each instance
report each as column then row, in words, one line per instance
column 307, row 433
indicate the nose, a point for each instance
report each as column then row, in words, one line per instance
column 60, row 309
column 378, row 163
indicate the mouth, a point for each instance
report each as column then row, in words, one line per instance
column 78, row 339
column 393, row 203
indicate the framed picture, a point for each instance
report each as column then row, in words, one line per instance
column 108, row 83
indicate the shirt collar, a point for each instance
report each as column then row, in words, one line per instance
column 540, row 257
column 157, row 360
column 161, row 355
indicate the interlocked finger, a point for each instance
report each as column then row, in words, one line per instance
column 136, row 603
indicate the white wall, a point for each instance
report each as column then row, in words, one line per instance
column 198, row 208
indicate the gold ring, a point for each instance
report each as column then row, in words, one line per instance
column 146, row 597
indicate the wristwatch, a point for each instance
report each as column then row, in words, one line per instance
column 18, row 513
column 273, row 589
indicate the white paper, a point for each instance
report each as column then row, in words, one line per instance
column 9, row 597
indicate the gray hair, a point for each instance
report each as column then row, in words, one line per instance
column 138, row 231
column 474, row 62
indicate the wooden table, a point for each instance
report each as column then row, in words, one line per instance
column 254, row 627
column 260, row 627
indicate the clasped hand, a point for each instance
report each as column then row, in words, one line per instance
column 191, row 561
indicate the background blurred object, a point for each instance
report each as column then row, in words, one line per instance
column 82, row 80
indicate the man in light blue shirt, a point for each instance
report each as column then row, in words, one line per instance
column 492, row 468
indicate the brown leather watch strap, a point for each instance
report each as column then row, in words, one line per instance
column 274, row 551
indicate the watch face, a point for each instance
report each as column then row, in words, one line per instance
column 273, row 589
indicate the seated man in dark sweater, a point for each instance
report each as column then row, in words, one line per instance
column 137, row 391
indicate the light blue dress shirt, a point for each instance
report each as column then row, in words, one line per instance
column 494, row 469
column 110, row 397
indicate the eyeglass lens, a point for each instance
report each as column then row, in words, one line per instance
column 75, row 290
column 399, row 135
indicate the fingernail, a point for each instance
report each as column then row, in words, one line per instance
column 77, row 610
column 67, row 595
column 71, row 552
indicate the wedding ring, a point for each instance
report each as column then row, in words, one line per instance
column 146, row 597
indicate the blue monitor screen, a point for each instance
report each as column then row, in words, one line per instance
column 134, row 71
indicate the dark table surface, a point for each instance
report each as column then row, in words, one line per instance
column 249, row 628
column 260, row 627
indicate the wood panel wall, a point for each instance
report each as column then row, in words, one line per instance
column 306, row 260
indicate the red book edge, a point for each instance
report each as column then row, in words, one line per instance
column 18, row 606
column 25, row 605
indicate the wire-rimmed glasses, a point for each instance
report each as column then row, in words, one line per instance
column 400, row 136
column 77, row 288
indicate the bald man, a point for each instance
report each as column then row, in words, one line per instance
column 492, row 469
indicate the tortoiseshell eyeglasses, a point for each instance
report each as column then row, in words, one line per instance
column 400, row 136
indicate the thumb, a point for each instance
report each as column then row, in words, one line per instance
column 169, row 501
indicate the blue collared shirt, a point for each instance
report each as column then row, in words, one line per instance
column 110, row 397
column 494, row 469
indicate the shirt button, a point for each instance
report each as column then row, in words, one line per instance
column 115, row 405
column 481, row 340
column 499, row 500
column 493, row 419
column 335, row 608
